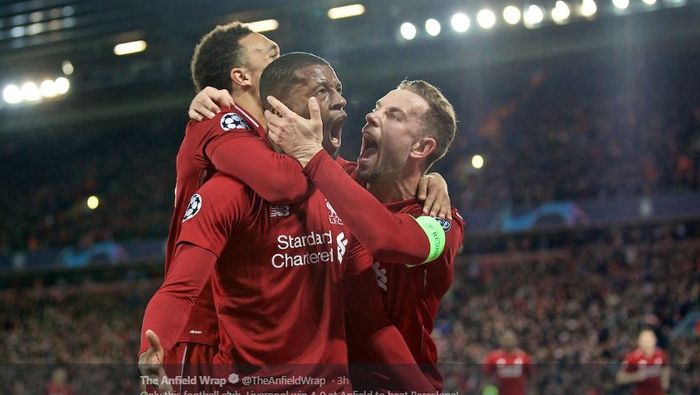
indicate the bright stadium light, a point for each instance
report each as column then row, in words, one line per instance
column 93, row 202
column 30, row 92
column 67, row 67
column 486, row 18
column 533, row 16
column 512, row 15
column 460, row 22
column 561, row 12
column 621, row 4
column 649, row 2
column 130, row 47
column 346, row 11
column 408, row 31
column 588, row 8
column 48, row 88
column 477, row 161
column 12, row 94
column 62, row 85
column 433, row 27
column 265, row 25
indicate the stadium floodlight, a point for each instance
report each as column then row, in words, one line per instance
column 588, row 8
column 48, row 88
column 433, row 27
column 12, row 94
column 265, row 25
column 62, row 85
column 477, row 161
column 93, row 202
column 533, row 16
column 621, row 4
column 649, row 2
column 512, row 15
column 486, row 18
column 408, row 31
column 130, row 47
column 30, row 92
column 67, row 67
column 460, row 22
column 561, row 12
column 346, row 11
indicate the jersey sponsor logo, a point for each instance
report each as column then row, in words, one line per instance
column 342, row 243
column 279, row 211
column 509, row 370
column 333, row 218
column 380, row 274
column 193, row 208
column 195, row 332
column 445, row 223
column 233, row 121
column 325, row 252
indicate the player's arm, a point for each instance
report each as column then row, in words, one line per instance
column 276, row 177
column 665, row 375
column 208, row 224
column 366, row 314
column 628, row 375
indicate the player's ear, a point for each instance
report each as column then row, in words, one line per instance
column 240, row 76
column 423, row 147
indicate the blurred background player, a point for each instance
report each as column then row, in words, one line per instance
column 646, row 368
column 509, row 365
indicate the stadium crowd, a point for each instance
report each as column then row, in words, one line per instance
column 576, row 309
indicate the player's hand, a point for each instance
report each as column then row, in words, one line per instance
column 208, row 103
column 432, row 190
column 151, row 364
column 297, row 136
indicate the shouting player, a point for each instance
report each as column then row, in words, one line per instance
column 646, row 367
column 277, row 268
column 410, row 128
column 509, row 365
column 232, row 58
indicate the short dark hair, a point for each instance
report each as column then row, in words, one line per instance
column 440, row 121
column 281, row 74
column 216, row 54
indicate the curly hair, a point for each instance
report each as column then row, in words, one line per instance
column 216, row 54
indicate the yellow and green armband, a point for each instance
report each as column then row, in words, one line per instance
column 436, row 236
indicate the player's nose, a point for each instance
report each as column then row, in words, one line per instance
column 372, row 118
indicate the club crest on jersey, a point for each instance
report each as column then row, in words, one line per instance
column 193, row 208
column 279, row 211
column 233, row 121
column 445, row 223
column 333, row 217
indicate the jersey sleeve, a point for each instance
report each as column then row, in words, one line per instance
column 241, row 154
column 213, row 212
column 169, row 308
column 390, row 238
column 629, row 364
column 366, row 315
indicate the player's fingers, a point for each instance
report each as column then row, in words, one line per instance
column 154, row 342
column 272, row 119
column 223, row 98
column 208, row 107
column 314, row 109
column 423, row 188
column 428, row 205
column 193, row 114
column 280, row 107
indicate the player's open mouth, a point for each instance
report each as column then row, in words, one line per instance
column 369, row 146
column 336, row 131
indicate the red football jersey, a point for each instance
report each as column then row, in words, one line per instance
column 411, row 296
column 277, row 284
column 652, row 366
column 510, row 368
column 233, row 143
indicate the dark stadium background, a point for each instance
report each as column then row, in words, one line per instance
column 583, row 223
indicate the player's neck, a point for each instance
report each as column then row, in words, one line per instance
column 394, row 188
column 252, row 105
